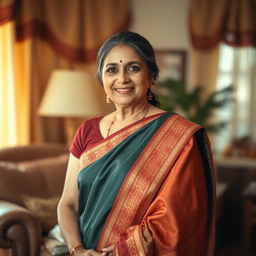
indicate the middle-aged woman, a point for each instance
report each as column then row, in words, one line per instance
column 140, row 180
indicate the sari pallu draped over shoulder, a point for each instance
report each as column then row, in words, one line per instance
column 149, row 190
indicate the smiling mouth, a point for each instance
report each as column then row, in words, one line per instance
column 124, row 90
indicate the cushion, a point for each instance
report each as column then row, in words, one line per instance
column 55, row 243
column 38, row 178
column 52, row 170
column 55, row 233
column 55, row 247
column 44, row 209
column 14, row 182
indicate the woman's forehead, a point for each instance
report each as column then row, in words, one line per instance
column 122, row 53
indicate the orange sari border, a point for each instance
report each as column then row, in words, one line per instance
column 128, row 206
column 95, row 153
column 135, row 243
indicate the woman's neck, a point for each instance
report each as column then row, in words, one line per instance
column 132, row 113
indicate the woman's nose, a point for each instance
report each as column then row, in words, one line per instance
column 123, row 77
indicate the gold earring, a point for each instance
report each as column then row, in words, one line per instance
column 107, row 100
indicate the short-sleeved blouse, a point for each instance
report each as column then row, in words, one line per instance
column 87, row 135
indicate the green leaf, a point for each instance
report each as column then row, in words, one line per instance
column 174, row 97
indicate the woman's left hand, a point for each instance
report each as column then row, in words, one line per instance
column 108, row 250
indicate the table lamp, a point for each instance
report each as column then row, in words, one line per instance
column 70, row 94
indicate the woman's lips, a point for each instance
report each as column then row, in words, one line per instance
column 124, row 90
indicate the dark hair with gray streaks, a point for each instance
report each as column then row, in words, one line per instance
column 141, row 45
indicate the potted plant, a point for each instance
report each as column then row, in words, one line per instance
column 174, row 97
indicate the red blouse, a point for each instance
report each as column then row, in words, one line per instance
column 87, row 135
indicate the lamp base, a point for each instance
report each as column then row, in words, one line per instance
column 71, row 125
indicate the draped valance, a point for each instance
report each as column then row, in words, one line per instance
column 75, row 29
column 231, row 21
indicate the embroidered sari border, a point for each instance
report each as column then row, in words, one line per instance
column 132, row 246
column 141, row 247
column 162, row 150
column 104, row 147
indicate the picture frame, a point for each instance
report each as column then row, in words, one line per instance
column 171, row 64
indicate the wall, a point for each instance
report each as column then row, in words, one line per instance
column 163, row 23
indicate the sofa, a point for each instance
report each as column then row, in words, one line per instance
column 31, row 182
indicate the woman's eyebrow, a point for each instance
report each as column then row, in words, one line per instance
column 111, row 64
column 128, row 63
column 133, row 62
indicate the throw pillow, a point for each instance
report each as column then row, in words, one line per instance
column 44, row 209
column 39, row 178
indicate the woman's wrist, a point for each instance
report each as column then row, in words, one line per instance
column 75, row 249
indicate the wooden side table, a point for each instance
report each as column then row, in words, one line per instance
column 249, row 212
column 238, row 173
column 221, row 188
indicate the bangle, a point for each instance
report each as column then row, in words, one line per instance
column 75, row 249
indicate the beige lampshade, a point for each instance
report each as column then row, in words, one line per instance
column 70, row 93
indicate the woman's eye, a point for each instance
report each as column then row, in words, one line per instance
column 134, row 68
column 111, row 70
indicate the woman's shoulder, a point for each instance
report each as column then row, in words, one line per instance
column 87, row 127
column 155, row 110
column 88, row 123
column 87, row 134
column 186, row 121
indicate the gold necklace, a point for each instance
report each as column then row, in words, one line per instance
column 114, row 119
column 111, row 124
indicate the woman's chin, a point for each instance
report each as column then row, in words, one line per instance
column 124, row 101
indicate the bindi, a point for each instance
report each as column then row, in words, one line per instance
column 121, row 61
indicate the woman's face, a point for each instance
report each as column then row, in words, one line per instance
column 125, row 76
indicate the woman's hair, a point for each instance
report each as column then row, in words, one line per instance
column 141, row 45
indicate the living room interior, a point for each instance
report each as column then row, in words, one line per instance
column 207, row 58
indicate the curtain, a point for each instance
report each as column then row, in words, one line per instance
column 211, row 22
column 7, row 103
column 204, row 69
column 232, row 23
column 37, row 37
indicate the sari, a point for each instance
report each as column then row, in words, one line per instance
column 135, row 190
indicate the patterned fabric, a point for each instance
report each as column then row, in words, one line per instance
column 149, row 190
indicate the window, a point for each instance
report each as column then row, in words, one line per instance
column 237, row 66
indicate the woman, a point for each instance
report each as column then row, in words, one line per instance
column 139, row 180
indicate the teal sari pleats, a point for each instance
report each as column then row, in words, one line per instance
column 100, row 182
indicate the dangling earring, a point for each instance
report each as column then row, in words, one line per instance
column 149, row 95
column 108, row 100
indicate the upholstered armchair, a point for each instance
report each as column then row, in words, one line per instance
column 31, row 182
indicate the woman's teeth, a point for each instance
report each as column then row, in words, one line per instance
column 123, row 90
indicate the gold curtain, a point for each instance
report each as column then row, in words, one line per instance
column 204, row 69
column 204, row 17
column 47, row 35
column 211, row 22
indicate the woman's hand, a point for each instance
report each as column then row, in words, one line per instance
column 84, row 252
column 108, row 251
column 105, row 252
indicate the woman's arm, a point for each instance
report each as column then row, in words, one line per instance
column 67, row 208
column 68, row 218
